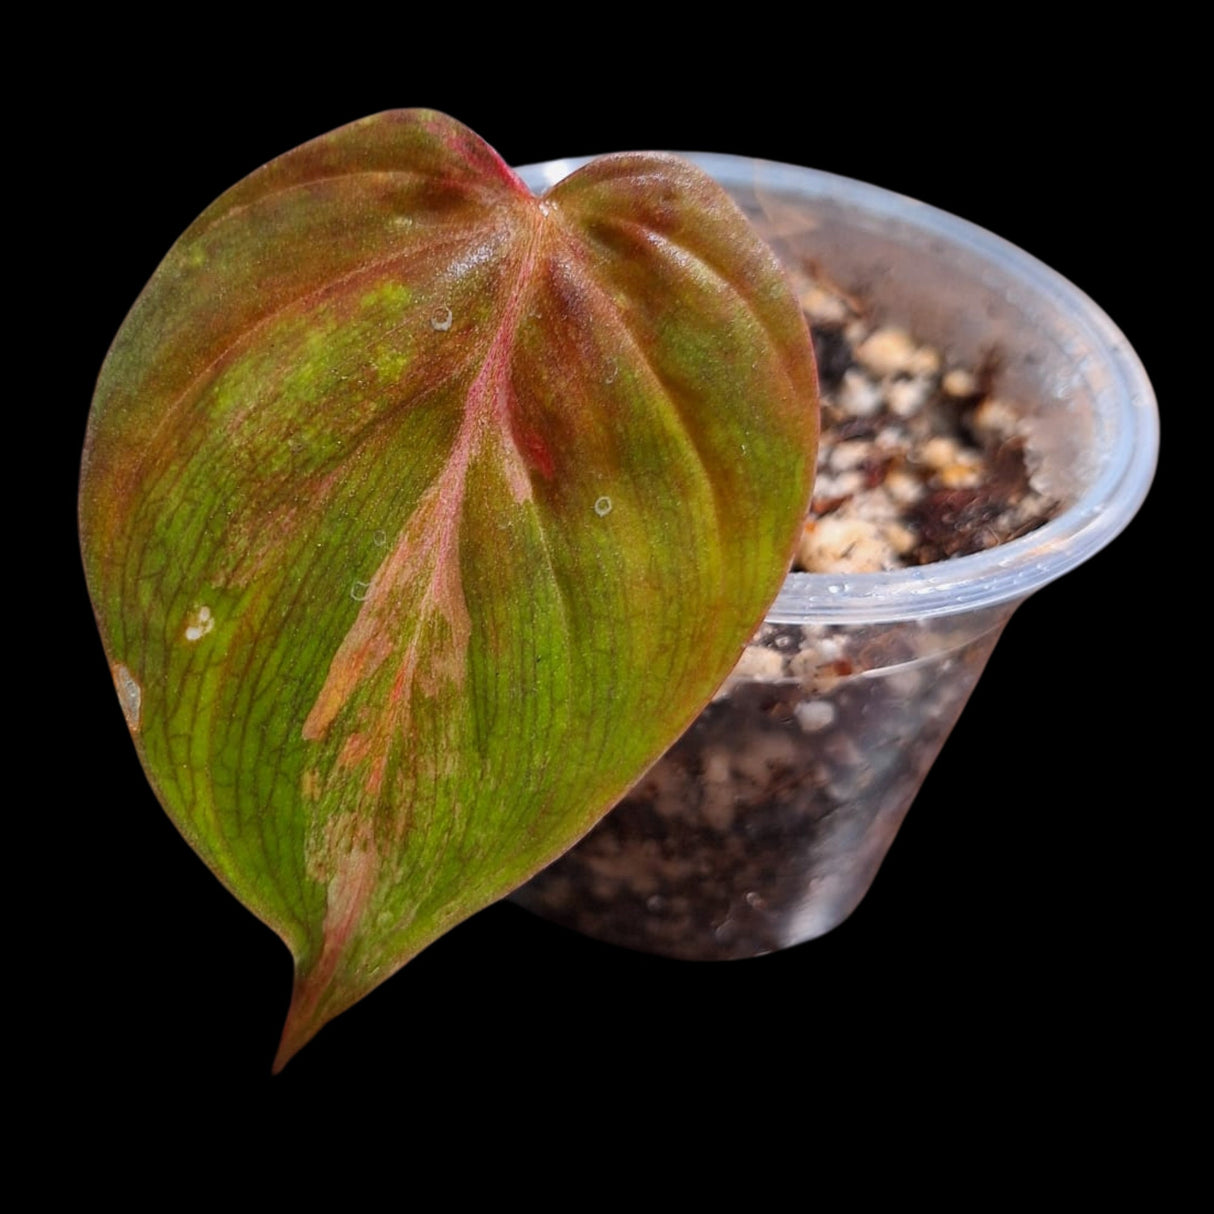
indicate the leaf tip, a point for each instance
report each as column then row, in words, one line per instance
column 290, row 1045
column 304, row 1021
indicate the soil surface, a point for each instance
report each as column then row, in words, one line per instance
column 918, row 461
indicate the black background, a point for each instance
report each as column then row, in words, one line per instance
column 1016, row 911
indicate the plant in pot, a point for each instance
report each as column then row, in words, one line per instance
column 265, row 596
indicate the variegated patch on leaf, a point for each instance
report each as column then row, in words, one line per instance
column 420, row 515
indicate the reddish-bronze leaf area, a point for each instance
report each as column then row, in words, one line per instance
column 420, row 515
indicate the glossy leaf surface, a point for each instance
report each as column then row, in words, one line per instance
column 421, row 515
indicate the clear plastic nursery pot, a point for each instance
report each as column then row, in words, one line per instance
column 766, row 824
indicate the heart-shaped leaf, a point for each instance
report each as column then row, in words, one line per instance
column 421, row 515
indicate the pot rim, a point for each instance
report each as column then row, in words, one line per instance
column 1124, row 402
